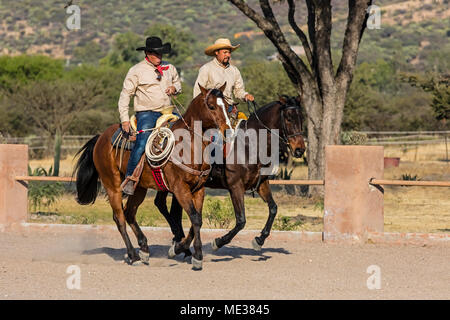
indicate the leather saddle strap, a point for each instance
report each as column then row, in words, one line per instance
column 138, row 170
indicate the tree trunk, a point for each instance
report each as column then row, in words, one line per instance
column 323, row 129
column 57, row 154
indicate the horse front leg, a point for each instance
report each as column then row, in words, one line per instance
column 266, row 195
column 237, row 197
column 193, row 205
column 130, row 210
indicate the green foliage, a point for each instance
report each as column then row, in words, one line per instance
column 124, row 50
column 319, row 205
column 91, row 52
column 284, row 223
column 43, row 193
column 181, row 41
column 24, row 69
column 371, row 105
column 265, row 80
column 353, row 138
column 377, row 99
column 409, row 177
column 218, row 213
column 285, row 174
column 439, row 87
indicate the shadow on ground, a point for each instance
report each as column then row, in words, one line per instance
column 226, row 253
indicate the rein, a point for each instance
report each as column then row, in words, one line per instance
column 285, row 136
column 176, row 161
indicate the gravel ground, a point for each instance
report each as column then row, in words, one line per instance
column 33, row 265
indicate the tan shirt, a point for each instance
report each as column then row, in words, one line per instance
column 213, row 75
column 149, row 93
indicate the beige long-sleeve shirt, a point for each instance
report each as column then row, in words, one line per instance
column 149, row 93
column 213, row 75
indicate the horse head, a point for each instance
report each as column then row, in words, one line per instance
column 291, row 124
column 211, row 109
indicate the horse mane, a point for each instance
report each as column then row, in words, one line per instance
column 260, row 111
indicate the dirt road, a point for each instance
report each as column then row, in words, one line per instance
column 33, row 265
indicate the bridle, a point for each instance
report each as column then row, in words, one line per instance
column 177, row 104
column 283, row 122
column 179, row 163
column 284, row 137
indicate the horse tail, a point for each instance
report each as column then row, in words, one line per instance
column 86, row 173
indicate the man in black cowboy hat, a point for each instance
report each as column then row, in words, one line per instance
column 151, row 82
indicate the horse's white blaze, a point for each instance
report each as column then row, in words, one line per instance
column 222, row 104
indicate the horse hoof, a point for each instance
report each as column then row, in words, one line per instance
column 255, row 245
column 132, row 262
column 172, row 253
column 197, row 264
column 145, row 256
column 214, row 245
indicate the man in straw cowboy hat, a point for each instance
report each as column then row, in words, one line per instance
column 218, row 71
column 151, row 82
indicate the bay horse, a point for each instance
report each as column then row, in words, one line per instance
column 284, row 115
column 186, row 181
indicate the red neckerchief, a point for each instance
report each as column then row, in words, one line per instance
column 159, row 68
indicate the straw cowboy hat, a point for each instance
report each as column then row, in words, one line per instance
column 155, row 44
column 220, row 44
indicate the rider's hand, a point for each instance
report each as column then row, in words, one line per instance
column 171, row 90
column 249, row 97
column 126, row 126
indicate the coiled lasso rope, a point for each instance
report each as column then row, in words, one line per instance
column 164, row 134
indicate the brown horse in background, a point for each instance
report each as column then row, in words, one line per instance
column 98, row 161
column 284, row 115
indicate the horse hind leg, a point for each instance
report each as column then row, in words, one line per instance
column 115, row 200
column 130, row 211
column 237, row 198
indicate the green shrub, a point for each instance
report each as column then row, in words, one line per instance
column 284, row 223
column 218, row 213
column 409, row 177
column 353, row 138
column 43, row 193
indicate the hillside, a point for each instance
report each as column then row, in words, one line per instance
column 418, row 25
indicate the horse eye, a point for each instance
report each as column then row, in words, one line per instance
column 211, row 106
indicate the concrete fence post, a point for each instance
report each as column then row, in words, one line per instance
column 352, row 207
column 13, row 194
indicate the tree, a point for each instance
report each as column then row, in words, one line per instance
column 52, row 105
column 18, row 71
column 265, row 80
column 181, row 42
column 322, row 89
column 124, row 49
column 439, row 87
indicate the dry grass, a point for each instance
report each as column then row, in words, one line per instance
column 406, row 209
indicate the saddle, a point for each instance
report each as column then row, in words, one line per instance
column 123, row 140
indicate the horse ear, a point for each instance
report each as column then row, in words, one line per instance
column 223, row 87
column 282, row 99
column 203, row 90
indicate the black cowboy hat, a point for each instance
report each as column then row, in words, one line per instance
column 155, row 44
